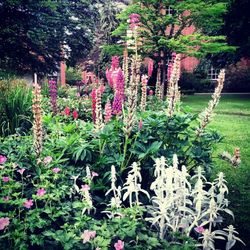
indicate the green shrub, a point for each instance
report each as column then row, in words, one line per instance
column 73, row 75
column 238, row 79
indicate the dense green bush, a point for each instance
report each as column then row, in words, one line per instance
column 238, row 79
column 73, row 75
column 195, row 82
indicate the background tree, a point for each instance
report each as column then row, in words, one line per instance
column 107, row 23
column 163, row 25
column 237, row 30
column 35, row 35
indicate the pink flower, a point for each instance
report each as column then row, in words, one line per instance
column 88, row 235
column 75, row 114
column 28, row 203
column 150, row 67
column 85, row 188
column 6, row 179
column 4, row 222
column 20, row 171
column 47, row 160
column 94, row 174
column 151, row 92
column 6, row 198
column 67, row 111
column 119, row 245
column 3, row 159
column 56, row 170
column 78, row 94
column 140, row 124
column 41, row 192
column 115, row 62
column 199, row 229
column 108, row 112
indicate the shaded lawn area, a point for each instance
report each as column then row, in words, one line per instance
column 232, row 120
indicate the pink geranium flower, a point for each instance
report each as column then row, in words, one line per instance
column 199, row 229
column 88, row 235
column 41, row 192
column 6, row 179
column 4, row 222
column 21, row 171
column 3, row 159
column 119, row 245
column 94, row 174
column 85, row 188
column 56, row 170
column 47, row 160
column 151, row 92
column 28, row 203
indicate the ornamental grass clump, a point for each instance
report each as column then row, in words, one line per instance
column 37, row 123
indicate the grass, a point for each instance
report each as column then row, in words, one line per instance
column 232, row 120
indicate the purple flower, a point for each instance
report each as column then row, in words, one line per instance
column 119, row 245
column 28, row 204
column 53, row 95
column 4, row 222
column 56, row 170
column 6, row 179
column 3, row 159
column 41, row 192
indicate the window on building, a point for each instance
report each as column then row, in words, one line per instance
column 213, row 73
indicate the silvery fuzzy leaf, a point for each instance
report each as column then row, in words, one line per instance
column 228, row 212
column 230, row 244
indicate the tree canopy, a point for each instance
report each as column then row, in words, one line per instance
column 163, row 27
column 36, row 35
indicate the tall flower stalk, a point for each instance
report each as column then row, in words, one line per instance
column 158, row 87
column 173, row 92
column 119, row 93
column 98, row 110
column 206, row 116
column 108, row 112
column 53, row 95
column 37, row 124
column 125, row 66
column 144, row 92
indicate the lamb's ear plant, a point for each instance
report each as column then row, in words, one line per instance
column 182, row 204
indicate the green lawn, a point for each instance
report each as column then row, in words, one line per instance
column 232, row 120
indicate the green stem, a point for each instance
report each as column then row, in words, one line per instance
column 124, row 153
